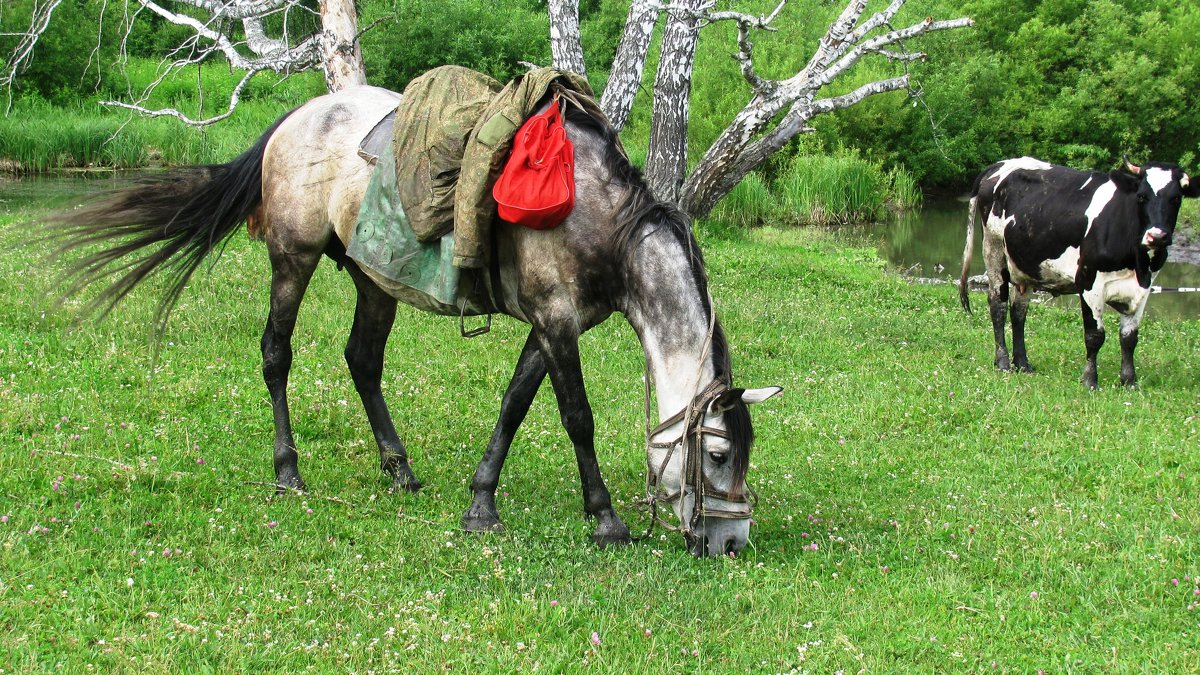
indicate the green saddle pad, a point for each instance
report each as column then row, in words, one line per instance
column 384, row 241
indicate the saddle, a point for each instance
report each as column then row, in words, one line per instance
column 428, row 217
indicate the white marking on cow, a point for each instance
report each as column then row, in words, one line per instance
column 1120, row 287
column 1086, row 183
column 1058, row 274
column 1010, row 165
column 1100, row 199
column 1158, row 178
column 1151, row 235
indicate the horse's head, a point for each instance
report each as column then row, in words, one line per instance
column 698, row 460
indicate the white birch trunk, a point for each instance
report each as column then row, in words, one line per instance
column 625, row 78
column 666, row 160
column 565, row 47
column 341, row 54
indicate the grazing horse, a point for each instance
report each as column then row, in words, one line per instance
column 620, row 250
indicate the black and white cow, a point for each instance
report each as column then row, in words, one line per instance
column 1102, row 236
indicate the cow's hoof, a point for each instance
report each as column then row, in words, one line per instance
column 1024, row 367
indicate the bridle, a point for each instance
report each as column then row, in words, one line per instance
column 710, row 501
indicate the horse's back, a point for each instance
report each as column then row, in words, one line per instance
column 313, row 176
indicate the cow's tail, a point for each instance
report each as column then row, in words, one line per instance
column 168, row 223
column 968, row 252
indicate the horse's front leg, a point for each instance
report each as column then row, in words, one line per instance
column 374, row 314
column 482, row 516
column 566, row 374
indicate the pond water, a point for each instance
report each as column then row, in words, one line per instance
column 923, row 242
column 918, row 242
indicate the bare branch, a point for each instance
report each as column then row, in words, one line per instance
column 750, row 138
column 39, row 20
column 234, row 98
column 846, row 100
column 892, row 37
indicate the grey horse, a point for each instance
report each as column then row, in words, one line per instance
column 620, row 250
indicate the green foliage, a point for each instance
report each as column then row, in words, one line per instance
column 1072, row 82
column 490, row 37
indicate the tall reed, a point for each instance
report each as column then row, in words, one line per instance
column 831, row 190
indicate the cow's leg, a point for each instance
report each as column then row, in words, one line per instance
column 482, row 515
column 1092, row 306
column 1019, row 308
column 374, row 313
column 1129, row 339
column 997, row 269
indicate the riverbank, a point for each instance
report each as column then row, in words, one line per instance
column 917, row 510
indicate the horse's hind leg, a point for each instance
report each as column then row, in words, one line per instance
column 374, row 314
column 527, row 378
column 290, row 274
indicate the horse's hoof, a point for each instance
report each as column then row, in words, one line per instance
column 403, row 480
column 286, row 484
column 481, row 524
column 612, row 534
column 406, row 485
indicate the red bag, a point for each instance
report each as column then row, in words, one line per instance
column 537, row 187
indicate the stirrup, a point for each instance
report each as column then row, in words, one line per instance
column 462, row 323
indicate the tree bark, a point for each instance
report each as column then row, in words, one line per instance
column 625, row 78
column 666, row 160
column 565, row 47
column 341, row 54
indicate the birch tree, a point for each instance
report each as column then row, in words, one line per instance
column 236, row 30
column 778, row 109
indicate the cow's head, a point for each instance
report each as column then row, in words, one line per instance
column 1160, row 188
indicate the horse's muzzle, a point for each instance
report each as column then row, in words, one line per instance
column 718, row 536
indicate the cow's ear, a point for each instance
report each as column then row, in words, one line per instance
column 1190, row 186
column 1124, row 181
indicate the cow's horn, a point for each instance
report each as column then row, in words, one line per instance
column 1183, row 182
column 1131, row 167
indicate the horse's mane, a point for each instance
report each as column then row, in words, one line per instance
column 639, row 215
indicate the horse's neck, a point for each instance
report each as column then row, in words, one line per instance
column 671, row 316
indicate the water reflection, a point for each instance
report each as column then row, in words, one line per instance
column 930, row 242
column 45, row 193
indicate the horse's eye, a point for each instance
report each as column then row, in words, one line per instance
column 719, row 458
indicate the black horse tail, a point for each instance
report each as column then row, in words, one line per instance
column 168, row 224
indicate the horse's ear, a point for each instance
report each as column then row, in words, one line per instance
column 748, row 396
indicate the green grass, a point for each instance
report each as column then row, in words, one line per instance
column 37, row 136
column 839, row 189
column 912, row 500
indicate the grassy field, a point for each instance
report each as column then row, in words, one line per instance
column 918, row 511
